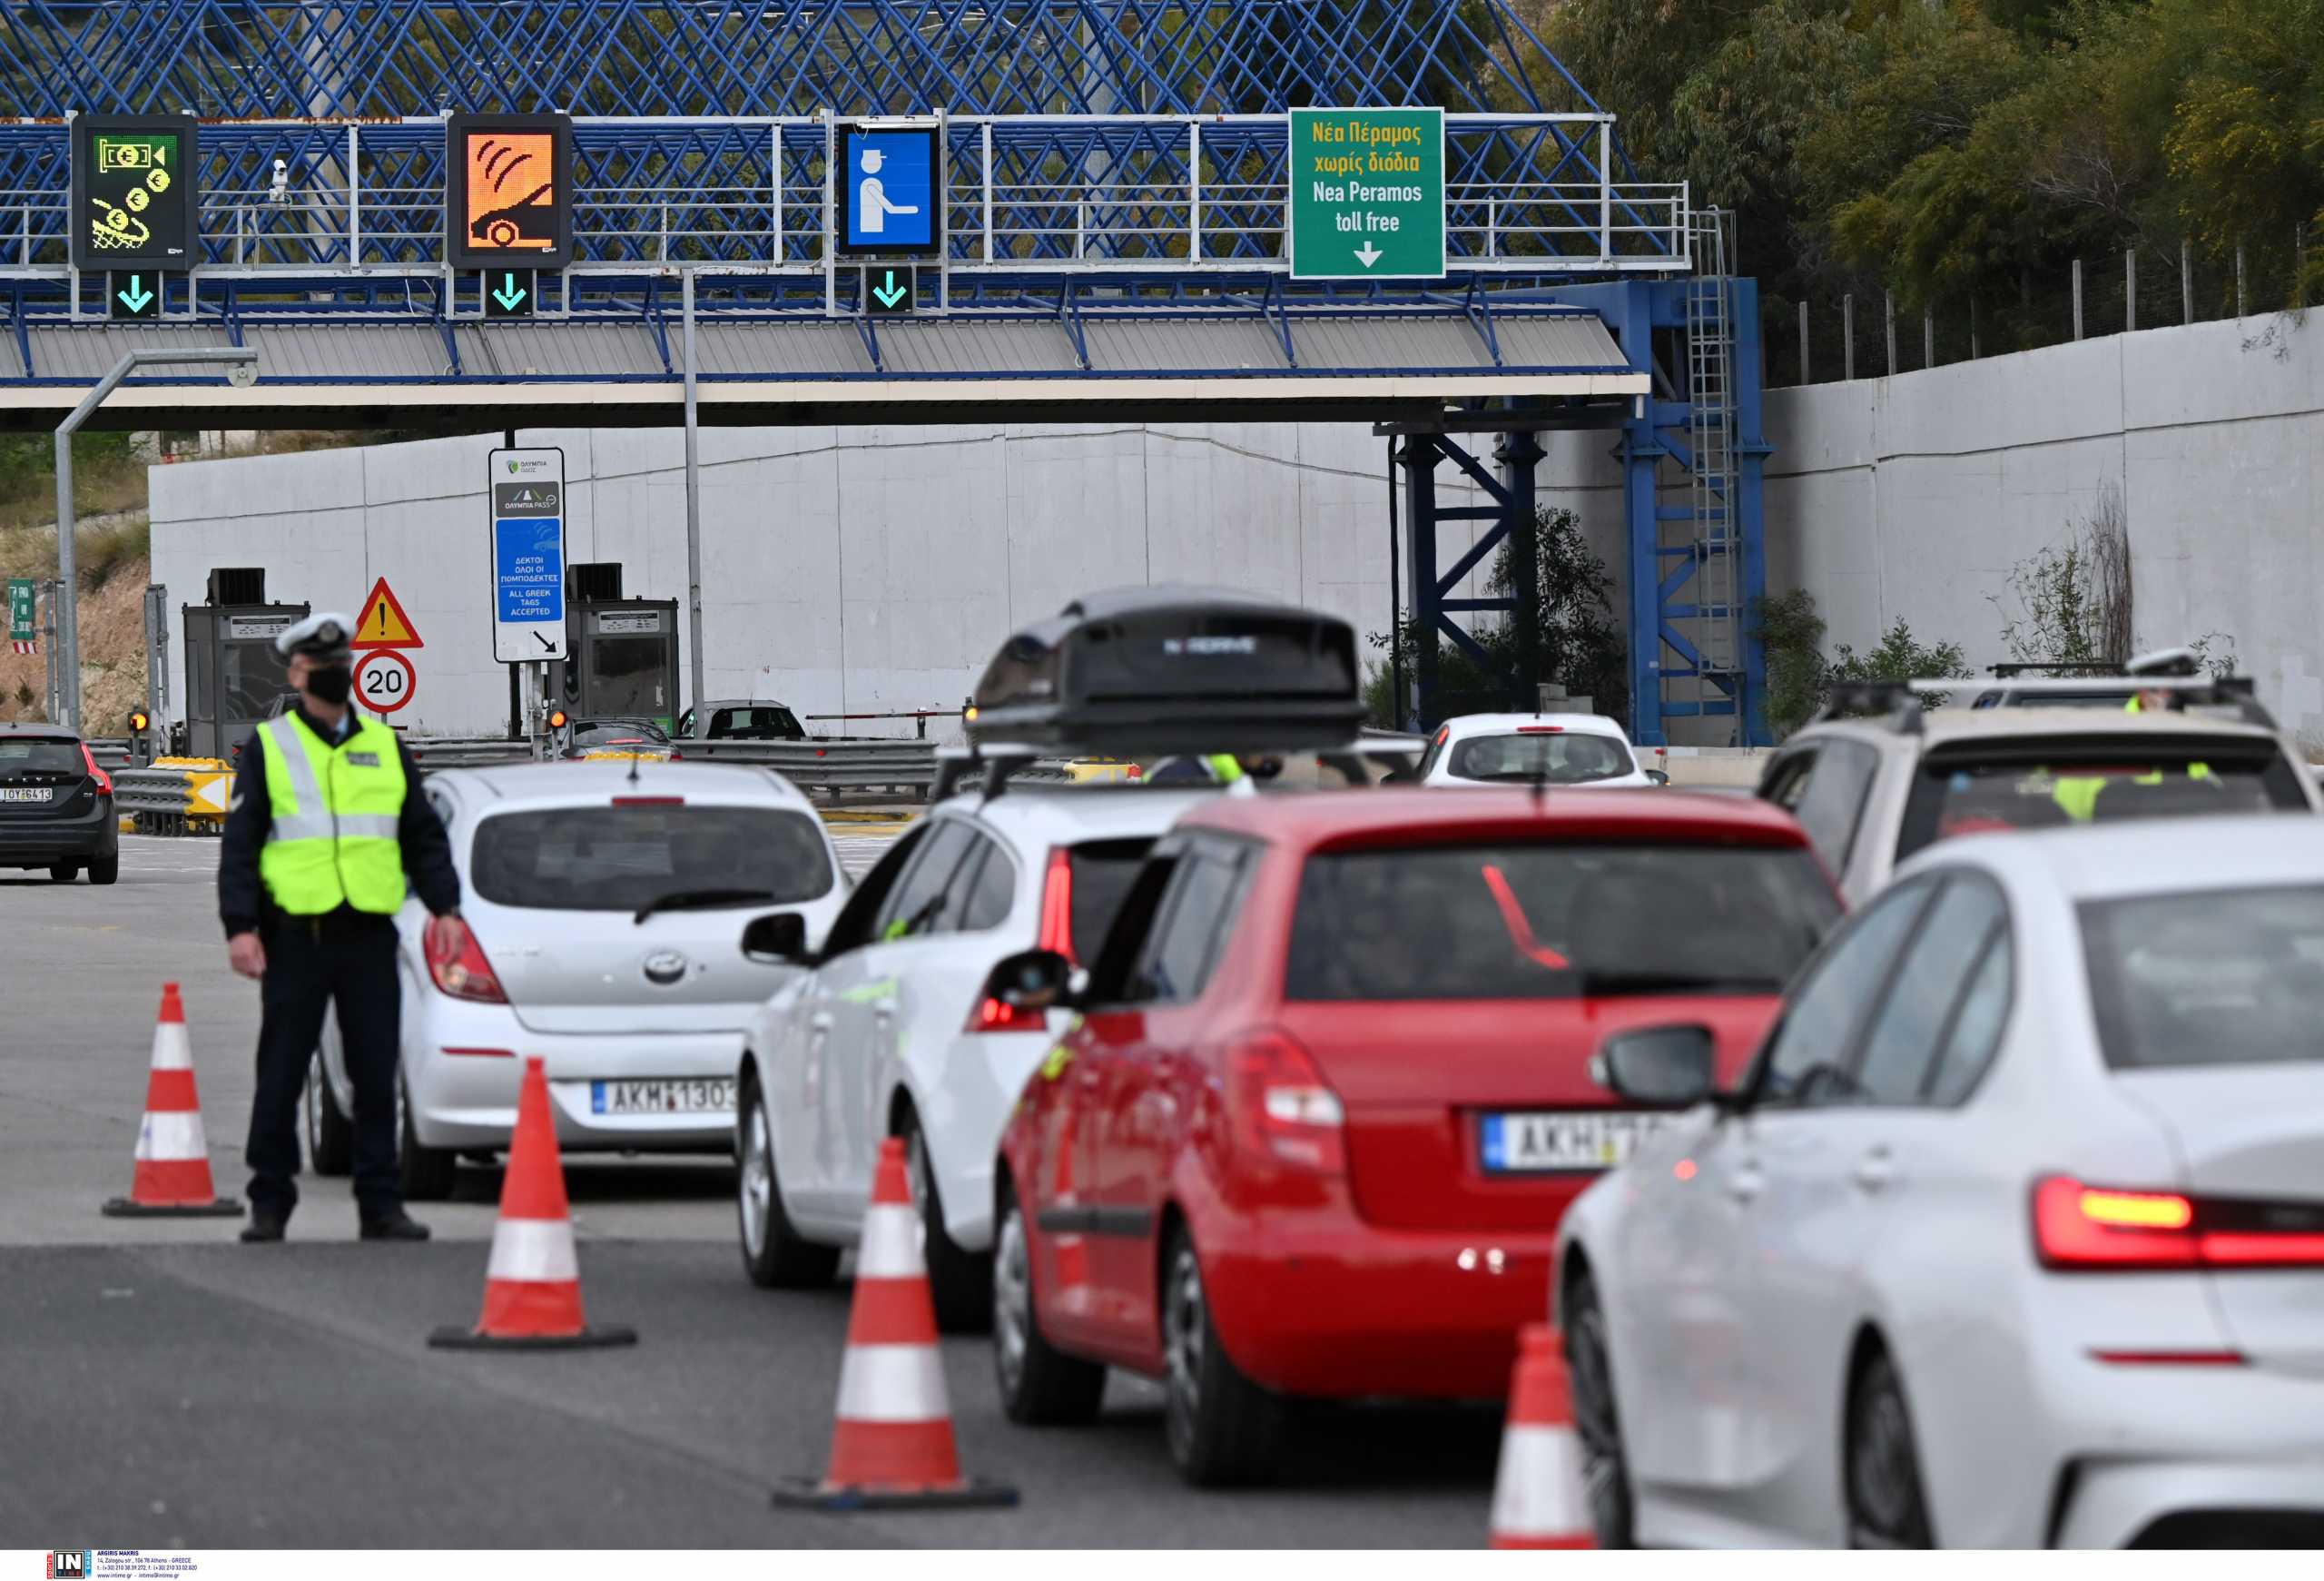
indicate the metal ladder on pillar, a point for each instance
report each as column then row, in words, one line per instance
column 1712, row 487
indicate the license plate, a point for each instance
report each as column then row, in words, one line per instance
column 1515, row 1144
column 40, row 795
column 697, row 1095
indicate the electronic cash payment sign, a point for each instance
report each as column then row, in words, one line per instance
column 133, row 199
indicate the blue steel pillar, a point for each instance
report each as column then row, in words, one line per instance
column 1751, row 452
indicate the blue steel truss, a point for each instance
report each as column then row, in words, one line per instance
column 275, row 59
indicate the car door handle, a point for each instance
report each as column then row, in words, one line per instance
column 1875, row 1171
column 1745, row 1182
column 885, row 1010
column 820, row 1021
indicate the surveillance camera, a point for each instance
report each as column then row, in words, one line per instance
column 242, row 375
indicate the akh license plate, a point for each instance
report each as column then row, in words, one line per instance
column 1517, row 1144
column 692, row 1095
column 38, row 795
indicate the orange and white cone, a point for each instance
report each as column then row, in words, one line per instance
column 532, row 1286
column 172, row 1177
column 892, row 1445
column 1539, row 1499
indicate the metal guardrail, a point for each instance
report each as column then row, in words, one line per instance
column 466, row 751
column 1526, row 193
column 829, row 765
column 186, row 796
column 112, row 754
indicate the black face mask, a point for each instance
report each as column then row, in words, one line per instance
column 331, row 683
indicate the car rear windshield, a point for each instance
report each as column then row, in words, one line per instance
column 2221, row 977
column 1959, row 793
column 1103, row 871
column 1554, row 921
column 1560, row 757
column 620, row 858
column 38, row 754
column 619, row 733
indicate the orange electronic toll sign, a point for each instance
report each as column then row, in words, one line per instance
column 133, row 197
column 510, row 190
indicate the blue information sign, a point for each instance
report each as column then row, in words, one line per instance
column 527, row 505
column 887, row 199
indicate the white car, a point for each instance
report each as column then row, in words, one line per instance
column 2014, row 1235
column 886, row 1036
column 604, row 905
column 1559, row 749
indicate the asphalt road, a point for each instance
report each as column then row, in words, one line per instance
column 191, row 1392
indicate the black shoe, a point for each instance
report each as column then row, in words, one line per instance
column 400, row 1226
column 266, row 1224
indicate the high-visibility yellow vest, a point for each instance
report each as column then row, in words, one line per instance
column 334, row 839
column 1224, row 767
column 2078, row 795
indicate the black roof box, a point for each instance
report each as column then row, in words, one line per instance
column 1172, row 669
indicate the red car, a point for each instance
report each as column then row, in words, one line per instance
column 1330, row 1091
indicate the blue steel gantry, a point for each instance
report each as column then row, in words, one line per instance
column 1103, row 154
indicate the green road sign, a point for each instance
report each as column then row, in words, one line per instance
column 20, row 610
column 510, row 293
column 1367, row 195
column 893, row 292
column 133, row 294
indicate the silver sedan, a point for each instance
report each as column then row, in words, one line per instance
column 2014, row 1237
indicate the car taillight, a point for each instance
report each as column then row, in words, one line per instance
column 2081, row 1227
column 105, row 780
column 1283, row 1111
column 999, row 1016
column 465, row 975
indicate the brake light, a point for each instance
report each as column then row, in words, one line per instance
column 467, row 974
column 1057, row 904
column 484, row 1054
column 105, row 780
column 999, row 1016
column 649, row 801
column 2080, row 1227
column 1540, row 729
column 1283, row 1111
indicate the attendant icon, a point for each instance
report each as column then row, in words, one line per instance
column 871, row 205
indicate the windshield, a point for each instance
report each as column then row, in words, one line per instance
column 620, row 858
column 618, row 732
column 1554, row 921
column 1102, row 874
column 44, row 757
column 2223, row 977
column 1559, row 757
column 1955, row 794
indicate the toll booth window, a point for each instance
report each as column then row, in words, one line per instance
column 255, row 680
column 197, row 674
column 631, row 674
column 620, row 858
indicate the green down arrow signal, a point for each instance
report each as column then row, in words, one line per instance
column 510, row 293
column 891, row 293
column 136, row 297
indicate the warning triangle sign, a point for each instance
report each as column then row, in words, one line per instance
column 383, row 623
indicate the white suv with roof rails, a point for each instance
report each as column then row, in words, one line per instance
column 886, row 1033
column 1558, row 750
column 1872, row 791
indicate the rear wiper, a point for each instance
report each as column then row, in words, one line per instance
column 693, row 899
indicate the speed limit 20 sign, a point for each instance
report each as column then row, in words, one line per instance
column 384, row 680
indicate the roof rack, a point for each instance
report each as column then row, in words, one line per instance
column 1900, row 701
column 2089, row 666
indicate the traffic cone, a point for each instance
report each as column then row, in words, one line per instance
column 1538, row 1497
column 532, row 1287
column 892, row 1445
column 173, row 1179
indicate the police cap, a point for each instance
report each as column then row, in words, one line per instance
column 327, row 635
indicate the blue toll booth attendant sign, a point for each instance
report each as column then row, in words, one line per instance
column 891, row 192
column 527, row 489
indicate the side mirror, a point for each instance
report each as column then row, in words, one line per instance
column 1031, row 980
column 1666, row 1067
column 780, row 940
column 1658, row 776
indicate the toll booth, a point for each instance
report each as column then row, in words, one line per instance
column 233, row 677
column 623, row 652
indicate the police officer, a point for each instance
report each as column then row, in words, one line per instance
column 325, row 824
